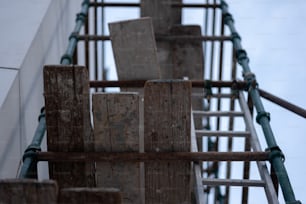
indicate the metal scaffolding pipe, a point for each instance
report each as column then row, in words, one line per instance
column 28, row 169
column 177, row 5
column 80, row 20
column 161, row 38
column 283, row 103
column 141, row 83
column 150, row 156
column 276, row 156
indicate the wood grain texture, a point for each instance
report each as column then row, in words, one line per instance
column 68, row 122
column 89, row 195
column 164, row 16
column 167, row 108
column 28, row 191
column 116, row 129
column 188, row 61
column 134, row 49
column 187, row 55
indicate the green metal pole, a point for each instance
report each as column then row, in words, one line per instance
column 29, row 167
column 73, row 40
column 263, row 118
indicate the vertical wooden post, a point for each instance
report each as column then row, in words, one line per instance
column 89, row 195
column 164, row 16
column 116, row 129
column 28, row 191
column 188, row 61
column 167, row 124
column 68, row 122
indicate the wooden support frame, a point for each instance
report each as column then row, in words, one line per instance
column 90, row 195
column 116, row 129
column 167, row 109
column 28, row 191
column 133, row 59
column 150, row 156
column 66, row 90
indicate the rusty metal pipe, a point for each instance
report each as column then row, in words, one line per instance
column 161, row 38
column 141, row 83
column 283, row 103
column 150, row 156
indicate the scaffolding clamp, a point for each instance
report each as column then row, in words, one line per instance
column 74, row 35
column 262, row 114
column 234, row 90
column 274, row 152
column 250, row 80
column 207, row 87
column 42, row 114
column 66, row 57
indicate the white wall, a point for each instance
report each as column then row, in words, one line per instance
column 36, row 33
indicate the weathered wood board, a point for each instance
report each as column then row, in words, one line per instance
column 163, row 14
column 89, row 195
column 167, row 108
column 116, row 129
column 187, row 54
column 134, row 49
column 66, row 90
column 164, row 17
column 28, row 191
column 188, row 61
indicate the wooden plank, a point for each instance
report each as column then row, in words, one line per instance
column 90, row 195
column 68, row 122
column 28, row 191
column 188, row 62
column 163, row 14
column 134, row 48
column 218, row 113
column 167, row 111
column 116, row 122
column 187, row 58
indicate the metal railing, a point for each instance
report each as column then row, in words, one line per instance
column 263, row 117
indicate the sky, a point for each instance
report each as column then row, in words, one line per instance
column 273, row 33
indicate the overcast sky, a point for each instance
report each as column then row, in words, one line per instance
column 273, row 33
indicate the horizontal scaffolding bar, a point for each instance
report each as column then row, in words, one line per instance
column 179, row 5
column 100, row 4
column 149, row 156
column 161, row 38
column 233, row 182
column 140, row 83
column 208, row 133
column 203, row 95
column 192, row 38
column 283, row 103
column 196, row 5
column 217, row 113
